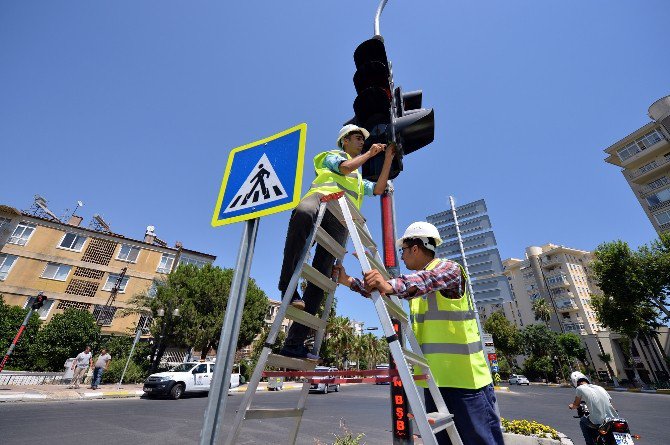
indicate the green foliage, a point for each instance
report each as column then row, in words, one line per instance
column 538, row 366
column 538, row 340
column 11, row 318
column 541, row 310
column 505, row 335
column 134, row 373
column 529, row 428
column 571, row 346
column 65, row 336
column 347, row 438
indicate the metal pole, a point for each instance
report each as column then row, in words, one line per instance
column 138, row 334
column 471, row 300
column 380, row 8
column 16, row 339
column 216, row 404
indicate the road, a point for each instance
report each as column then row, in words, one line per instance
column 364, row 408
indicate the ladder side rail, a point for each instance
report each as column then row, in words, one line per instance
column 302, row 401
column 248, row 396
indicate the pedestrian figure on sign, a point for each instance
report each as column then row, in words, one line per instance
column 81, row 363
column 260, row 181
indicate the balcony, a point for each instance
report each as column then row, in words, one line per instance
column 646, row 148
column 575, row 328
column 554, row 281
column 566, row 304
column 551, row 260
column 654, row 186
column 638, row 175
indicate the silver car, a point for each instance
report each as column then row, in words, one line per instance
column 519, row 380
column 324, row 388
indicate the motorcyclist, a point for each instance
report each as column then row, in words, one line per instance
column 597, row 400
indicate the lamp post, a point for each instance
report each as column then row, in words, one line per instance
column 159, row 346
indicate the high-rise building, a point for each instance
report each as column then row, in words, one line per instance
column 78, row 267
column 644, row 156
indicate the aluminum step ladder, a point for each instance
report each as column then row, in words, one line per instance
column 366, row 250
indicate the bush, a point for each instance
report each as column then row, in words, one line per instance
column 134, row 373
column 529, row 428
column 11, row 318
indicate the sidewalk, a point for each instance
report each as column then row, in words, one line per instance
column 42, row 393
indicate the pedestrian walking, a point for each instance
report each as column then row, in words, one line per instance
column 81, row 363
column 101, row 365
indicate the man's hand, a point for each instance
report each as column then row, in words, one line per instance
column 390, row 151
column 376, row 149
column 374, row 280
column 571, row 406
column 341, row 274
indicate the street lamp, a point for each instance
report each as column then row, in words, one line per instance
column 159, row 344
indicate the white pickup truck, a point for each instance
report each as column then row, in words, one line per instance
column 186, row 377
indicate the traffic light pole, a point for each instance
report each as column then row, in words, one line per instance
column 16, row 339
column 380, row 8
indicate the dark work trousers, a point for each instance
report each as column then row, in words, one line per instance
column 299, row 227
column 474, row 414
column 589, row 430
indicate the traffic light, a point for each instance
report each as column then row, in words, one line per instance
column 39, row 301
column 389, row 114
column 373, row 106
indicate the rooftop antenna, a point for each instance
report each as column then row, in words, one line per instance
column 66, row 218
column 99, row 224
column 40, row 209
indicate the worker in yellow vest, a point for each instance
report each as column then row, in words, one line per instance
column 444, row 322
column 336, row 171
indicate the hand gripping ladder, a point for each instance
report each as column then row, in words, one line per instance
column 366, row 250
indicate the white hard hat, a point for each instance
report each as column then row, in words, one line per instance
column 350, row 129
column 576, row 377
column 422, row 230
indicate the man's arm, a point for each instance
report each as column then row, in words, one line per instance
column 576, row 403
column 353, row 164
column 445, row 277
column 380, row 185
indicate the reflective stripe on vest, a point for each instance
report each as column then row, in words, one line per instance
column 327, row 181
column 446, row 329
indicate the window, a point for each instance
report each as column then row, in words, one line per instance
column 640, row 144
column 43, row 312
column 658, row 197
column 72, row 241
column 55, row 271
column 663, row 217
column 6, row 263
column 200, row 369
column 104, row 314
column 128, row 253
column 111, row 281
column 22, row 233
column 144, row 323
column 197, row 262
column 165, row 266
column 660, row 182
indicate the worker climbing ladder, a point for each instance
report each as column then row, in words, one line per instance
column 427, row 423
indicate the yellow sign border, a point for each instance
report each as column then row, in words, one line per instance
column 296, row 187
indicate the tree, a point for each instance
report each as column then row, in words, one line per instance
column 11, row 318
column 571, row 346
column 607, row 358
column 65, row 336
column 541, row 310
column 505, row 335
column 539, row 340
column 201, row 295
column 340, row 338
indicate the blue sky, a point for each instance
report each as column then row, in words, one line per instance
column 133, row 107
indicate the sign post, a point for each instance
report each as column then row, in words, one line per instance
column 261, row 178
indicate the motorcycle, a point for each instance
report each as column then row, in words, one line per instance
column 612, row 431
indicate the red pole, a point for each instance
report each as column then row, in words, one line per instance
column 16, row 339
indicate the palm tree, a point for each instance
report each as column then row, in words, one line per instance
column 607, row 358
column 341, row 337
column 541, row 310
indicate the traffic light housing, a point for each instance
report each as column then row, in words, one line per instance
column 39, row 301
column 388, row 113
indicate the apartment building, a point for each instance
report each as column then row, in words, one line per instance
column 562, row 277
column 77, row 266
column 644, row 158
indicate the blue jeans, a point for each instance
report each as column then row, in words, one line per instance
column 589, row 430
column 97, row 377
column 474, row 414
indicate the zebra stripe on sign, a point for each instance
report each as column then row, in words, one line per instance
column 261, row 186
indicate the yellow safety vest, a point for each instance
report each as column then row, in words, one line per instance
column 446, row 329
column 328, row 182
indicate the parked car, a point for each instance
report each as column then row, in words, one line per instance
column 324, row 388
column 183, row 378
column 518, row 380
column 385, row 367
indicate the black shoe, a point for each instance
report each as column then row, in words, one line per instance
column 299, row 352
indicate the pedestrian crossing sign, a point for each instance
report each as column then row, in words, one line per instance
column 262, row 177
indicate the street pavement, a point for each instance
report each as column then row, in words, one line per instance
column 364, row 408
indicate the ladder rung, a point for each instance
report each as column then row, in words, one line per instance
column 329, row 243
column 279, row 361
column 317, row 278
column 305, row 318
column 414, row 358
column 395, row 311
column 272, row 413
column 439, row 421
column 376, row 265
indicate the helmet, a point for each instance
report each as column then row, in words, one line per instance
column 350, row 129
column 422, row 230
column 576, row 376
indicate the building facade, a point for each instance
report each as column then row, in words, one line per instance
column 562, row 277
column 78, row 267
column 644, row 157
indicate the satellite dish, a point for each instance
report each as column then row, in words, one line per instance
column 80, row 204
column 151, row 229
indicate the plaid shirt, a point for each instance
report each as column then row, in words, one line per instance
column 444, row 277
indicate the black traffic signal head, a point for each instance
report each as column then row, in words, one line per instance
column 373, row 107
column 414, row 126
column 39, row 301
